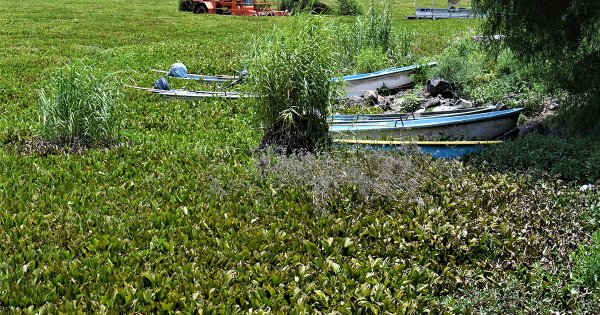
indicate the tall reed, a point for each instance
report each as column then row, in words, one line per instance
column 78, row 106
column 292, row 74
column 371, row 41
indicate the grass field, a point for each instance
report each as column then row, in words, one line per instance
column 183, row 217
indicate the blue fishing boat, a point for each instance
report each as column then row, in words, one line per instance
column 366, row 118
column 437, row 149
column 483, row 126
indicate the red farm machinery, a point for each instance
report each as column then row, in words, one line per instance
column 236, row 7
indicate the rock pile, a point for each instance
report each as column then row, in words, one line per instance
column 438, row 95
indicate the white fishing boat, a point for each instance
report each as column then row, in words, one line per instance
column 393, row 78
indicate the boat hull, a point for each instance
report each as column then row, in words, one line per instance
column 393, row 78
column 485, row 126
column 358, row 87
column 444, row 13
column 357, row 119
column 437, row 149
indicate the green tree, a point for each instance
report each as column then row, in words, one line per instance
column 561, row 37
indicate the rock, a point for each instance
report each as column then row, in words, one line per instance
column 380, row 99
column 372, row 97
column 432, row 102
column 439, row 86
column 462, row 103
column 386, row 105
column 422, row 110
column 355, row 100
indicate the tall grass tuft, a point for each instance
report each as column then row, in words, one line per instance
column 292, row 76
column 371, row 41
column 379, row 26
column 185, row 5
column 79, row 107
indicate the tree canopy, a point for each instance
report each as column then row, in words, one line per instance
column 563, row 37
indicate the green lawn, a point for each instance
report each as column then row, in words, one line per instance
column 181, row 218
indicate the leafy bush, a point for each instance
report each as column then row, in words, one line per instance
column 78, row 105
column 489, row 76
column 185, row 5
column 348, row 7
column 292, row 75
column 580, row 115
column 461, row 64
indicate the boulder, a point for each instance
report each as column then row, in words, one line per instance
column 386, row 104
column 432, row 102
column 355, row 100
column 462, row 103
column 439, row 86
column 372, row 97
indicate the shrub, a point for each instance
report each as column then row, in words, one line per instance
column 292, row 74
column 185, row 5
column 580, row 115
column 79, row 106
column 489, row 76
column 348, row 7
column 461, row 64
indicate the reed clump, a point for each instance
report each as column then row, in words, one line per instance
column 291, row 73
column 372, row 40
column 77, row 106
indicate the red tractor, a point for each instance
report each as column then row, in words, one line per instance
column 236, row 7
